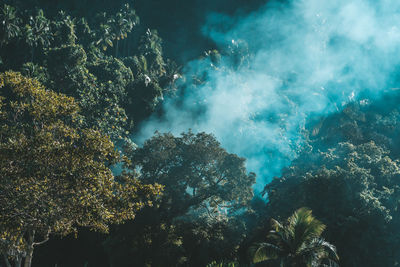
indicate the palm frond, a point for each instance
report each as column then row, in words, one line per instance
column 264, row 251
column 296, row 242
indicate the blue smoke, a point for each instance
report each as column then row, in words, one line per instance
column 308, row 58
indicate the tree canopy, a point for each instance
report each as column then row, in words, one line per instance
column 116, row 77
column 198, row 172
column 352, row 186
column 77, row 80
column 203, row 184
column 297, row 242
column 55, row 173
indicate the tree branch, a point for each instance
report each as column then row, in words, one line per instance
column 46, row 238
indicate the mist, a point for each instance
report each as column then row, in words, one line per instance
column 307, row 59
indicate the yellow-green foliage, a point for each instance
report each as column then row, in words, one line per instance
column 222, row 264
column 54, row 174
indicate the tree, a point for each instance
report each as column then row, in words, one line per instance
column 122, row 24
column 192, row 223
column 64, row 28
column 154, row 76
column 354, row 190
column 115, row 27
column 296, row 243
column 9, row 24
column 54, row 174
column 38, row 32
column 222, row 264
column 196, row 172
column 99, row 87
column 68, row 58
column 348, row 174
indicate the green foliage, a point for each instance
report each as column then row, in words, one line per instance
column 296, row 243
column 55, row 172
column 222, row 264
column 9, row 24
column 68, row 55
column 352, row 186
column 117, row 74
column 38, row 32
column 34, row 71
column 64, row 29
column 115, row 28
column 197, row 171
column 191, row 223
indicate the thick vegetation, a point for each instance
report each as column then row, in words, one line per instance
column 55, row 173
column 296, row 243
column 349, row 176
column 76, row 80
column 189, row 224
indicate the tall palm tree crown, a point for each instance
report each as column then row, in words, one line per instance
column 297, row 243
column 9, row 24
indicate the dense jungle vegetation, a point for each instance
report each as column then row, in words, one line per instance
column 77, row 78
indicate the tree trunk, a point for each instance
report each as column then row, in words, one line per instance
column 29, row 252
column 116, row 49
column 129, row 45
column 123, row 42
column 32, row 53
column 6, row 260
column 18, row 261
column 28, row 258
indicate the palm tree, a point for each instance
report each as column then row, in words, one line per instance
column 123, row 23
column 121, row 26
column 105, row 36
column 9, row 24
column 64, row 28
column 116, row 28
column 297, row 243
column 38, row 32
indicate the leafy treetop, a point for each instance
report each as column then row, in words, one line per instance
column 54, row 173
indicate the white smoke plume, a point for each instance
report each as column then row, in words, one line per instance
column 309, row 58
